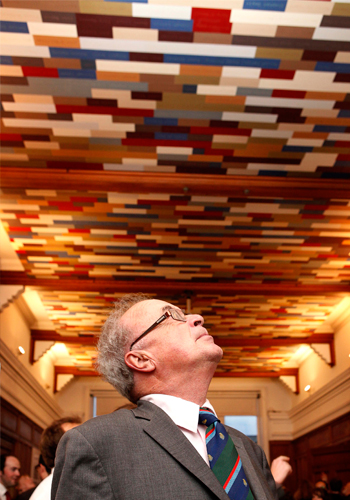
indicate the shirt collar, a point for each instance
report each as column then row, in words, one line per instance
column 183, row 413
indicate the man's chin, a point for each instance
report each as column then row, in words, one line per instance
column 217, row 353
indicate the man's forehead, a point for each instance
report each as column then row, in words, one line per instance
column 146, row 309
column 12, row 462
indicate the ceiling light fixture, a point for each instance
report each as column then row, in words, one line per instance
column 21, row 350
column 307, row 388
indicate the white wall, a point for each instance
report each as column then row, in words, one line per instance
column 16, row 332
column 27, row 387
column 316, row 372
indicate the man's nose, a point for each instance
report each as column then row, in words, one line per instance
column 195, row 319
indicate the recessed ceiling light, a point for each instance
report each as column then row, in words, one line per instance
column 21, row 350
column 307, row 388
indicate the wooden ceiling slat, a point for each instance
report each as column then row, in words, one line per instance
column 177, row 183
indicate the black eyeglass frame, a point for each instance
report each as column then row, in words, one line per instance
column 166, row 315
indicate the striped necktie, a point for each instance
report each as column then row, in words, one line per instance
column 223, row 457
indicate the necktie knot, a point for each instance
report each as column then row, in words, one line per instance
column 207, row 417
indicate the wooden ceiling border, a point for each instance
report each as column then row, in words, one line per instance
column 91, row 340
column 80, row 372
column 175, row 183
column 162, row 287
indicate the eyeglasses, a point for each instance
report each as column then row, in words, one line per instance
column 174, row 313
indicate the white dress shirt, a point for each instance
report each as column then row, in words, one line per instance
column 2, row 492
column 185, row 415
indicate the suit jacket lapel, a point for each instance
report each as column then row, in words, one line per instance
column 159, row 426
column 253, row 472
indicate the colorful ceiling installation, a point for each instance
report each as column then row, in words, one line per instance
column 250, row 87
column 60, row 235
column 199, row 154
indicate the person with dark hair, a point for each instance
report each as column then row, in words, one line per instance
column 172, row 445
column 320, row 494
column 9, row 475
column 48, row 446
column 335, row 487
column 42, row 469
column 43, row 472
column 26, row 486
column 321, row 484
column 304, row 492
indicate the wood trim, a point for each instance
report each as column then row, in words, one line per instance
column 325, row 448
column 274, row 341
column 162, row 287
column 81, row 372
column 177, row 183
column 292, row 372
column 71, row 370
column 37, row 335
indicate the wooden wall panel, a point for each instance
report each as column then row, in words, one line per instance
column 19, row 435
column 325, row 449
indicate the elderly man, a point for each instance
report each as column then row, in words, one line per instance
column 171, row 446
column 10, row 471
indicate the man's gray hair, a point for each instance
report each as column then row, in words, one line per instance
column 112, row 346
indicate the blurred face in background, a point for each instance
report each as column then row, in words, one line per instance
column 25, row 483
column 9, row 476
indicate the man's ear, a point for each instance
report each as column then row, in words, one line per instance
column 139, row 361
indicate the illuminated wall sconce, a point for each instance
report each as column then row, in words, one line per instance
column 307, row 388
column 21, row 350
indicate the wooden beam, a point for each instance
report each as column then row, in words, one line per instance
column 77, row 372
column 260, row 373
column 176, row 183
column 221, row 341
column 169, row 287
column 274, row 341
column 72, row 370
column 282, row 372
column 69, row 339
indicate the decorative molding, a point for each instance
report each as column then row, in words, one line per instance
column 8, row 294
column 62, row 381
column 329, row 402
column 25, row 310
column 341, row 315
column 280, row 426
column 20, row 388
column 40, row 348
column 290, row 382
column 324, row 352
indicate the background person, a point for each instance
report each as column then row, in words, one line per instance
column 25, row 483
column 26, row 486
column 10, row 471
column 48, row 446
column 281, row 469
column 42, row 469
column 320, row 494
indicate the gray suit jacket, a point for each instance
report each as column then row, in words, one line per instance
column 141, row 454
